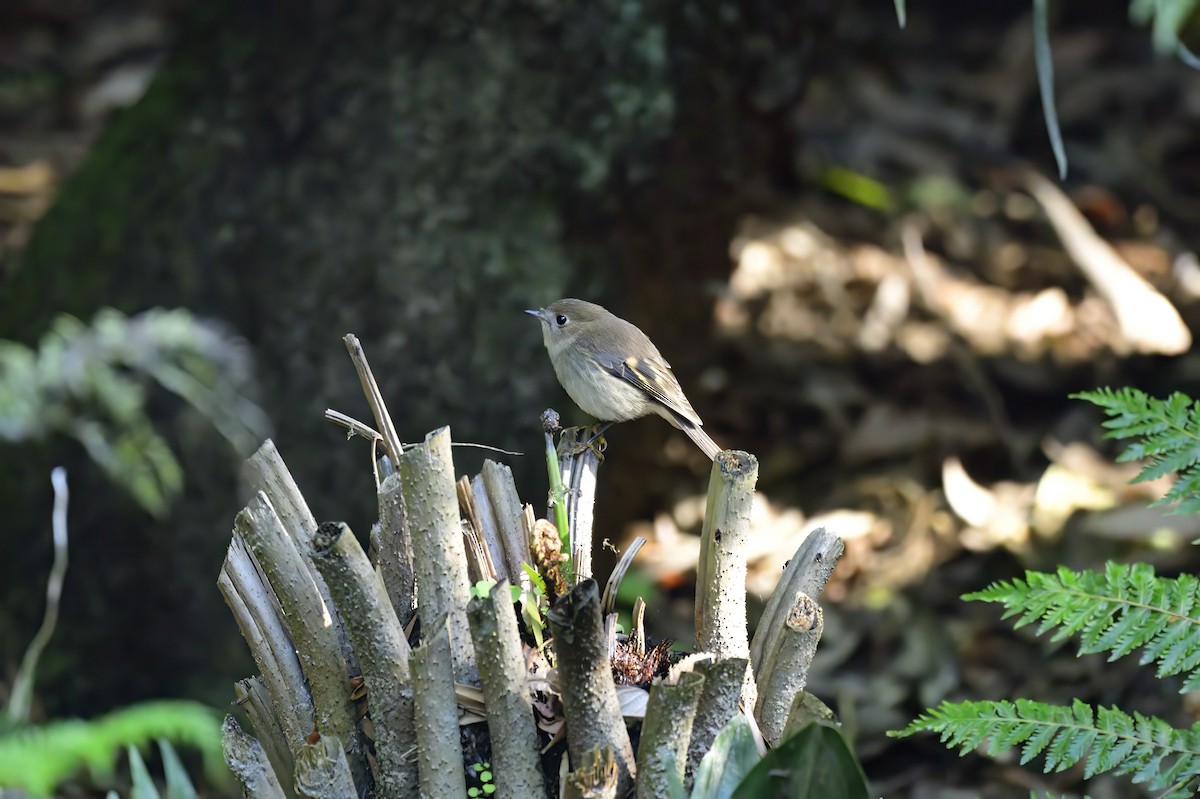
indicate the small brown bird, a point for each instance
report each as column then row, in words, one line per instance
column 613, row 371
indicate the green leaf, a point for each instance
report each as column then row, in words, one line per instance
column 179, row 785
column 814, row 762
column 901, row 15
column 143, row 784
column 728, row 761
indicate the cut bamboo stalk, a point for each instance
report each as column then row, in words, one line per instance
column 790, row 659
column 307, row 618
column 579, row 477
column 435, row 716
column 502, row 671
column 489, row 529
column 717, row 705
column 721, row 571
column 392, row 543
column 806, row 572
column 254, row 698
column 479, row 544
column 383, row 653
column 248, row 761
column 506, row 507
column 662, row 751
column 256, row 611
column 439, row 558
column 590, row 704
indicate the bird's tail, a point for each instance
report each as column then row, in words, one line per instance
column 697, row 434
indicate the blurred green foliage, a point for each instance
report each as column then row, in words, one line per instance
column 91, row 382
column 38, row 759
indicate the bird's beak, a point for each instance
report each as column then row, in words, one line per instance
column 536, row 312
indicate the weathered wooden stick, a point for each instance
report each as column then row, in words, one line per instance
column 383, row 419
column 502, row 671
column 435, row 715
column 590, row 704
column 439, row 558
column 248, row 761
column 383, row 652
column 721, row 571
column 662, row 751
column 392, row 544
column 479, row 542
column 322, row 771
column 717, row 704
column 308, row 619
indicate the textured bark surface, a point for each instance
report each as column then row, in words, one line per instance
column 414, row 175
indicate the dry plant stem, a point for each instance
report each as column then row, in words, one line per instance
column 439, row 557
column 579, row 476
column 721, row 571
column 806, row 572
column 596, row 778
column 488, row 528
column 618, row 573
column 590, row 704
column 307, row 618
column 254, row 698
column 435, row 717
column 322, row 771
column 383, row 420
column 352, row 425
column 246, row 759
column 256, row 611
column 393, row 549
column 662, row 751
column 1147, row 319
column 717, row 704
column 502, row 671
column 21, row 696
column 506, row 507
column 787, row 675
column 383, row 652
column 479, row 545
column 267, row 472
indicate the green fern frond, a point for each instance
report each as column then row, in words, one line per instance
column 1118, row 611
column 37, row 759
column 1169, row 433
column 1105, row 739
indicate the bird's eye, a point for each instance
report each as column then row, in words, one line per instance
column 561, row 320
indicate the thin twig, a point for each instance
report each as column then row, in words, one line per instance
column 356, row 428
column 22, row 689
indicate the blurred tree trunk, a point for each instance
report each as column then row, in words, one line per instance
column 417, row 173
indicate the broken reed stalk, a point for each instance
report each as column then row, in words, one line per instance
column 579, row 478
column 322, row 771
column 502, row 672
column 717, row 704
column 489, row 527
column 589, row 695
column 721, row 570
column 662, row 751
column 383, row 652
column 309, row 620
column 391, row 544
column 789, row 630
column 253, row 605
column 435, row 716
column 253, row 697
column 249, row 763
column 502, row 494
column 383, row 419
column 439, row 557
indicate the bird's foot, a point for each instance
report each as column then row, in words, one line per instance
column 577, row 440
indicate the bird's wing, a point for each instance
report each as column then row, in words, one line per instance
column 654, row 376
